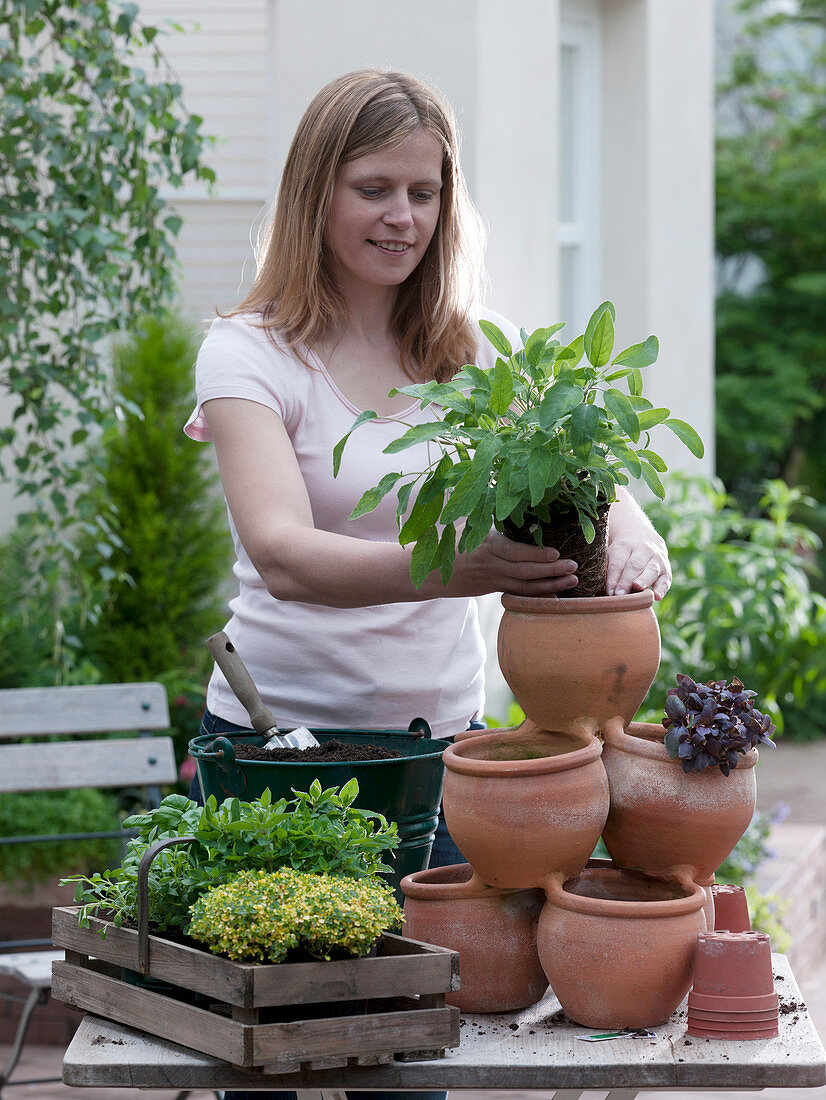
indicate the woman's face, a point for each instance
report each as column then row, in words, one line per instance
column 384, row 211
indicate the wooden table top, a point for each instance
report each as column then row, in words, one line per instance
column 537, row 1048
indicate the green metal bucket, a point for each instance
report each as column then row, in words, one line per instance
column 406, row 789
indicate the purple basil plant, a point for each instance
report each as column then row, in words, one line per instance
column 713, row 724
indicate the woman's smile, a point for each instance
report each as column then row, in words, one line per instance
column 392, row 246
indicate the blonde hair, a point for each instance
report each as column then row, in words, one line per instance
column 295, row 290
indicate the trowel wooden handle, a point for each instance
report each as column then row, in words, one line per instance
column 239, row 679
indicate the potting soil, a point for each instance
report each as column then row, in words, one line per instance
column 330, row 752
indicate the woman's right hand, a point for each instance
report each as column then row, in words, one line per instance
column 502, row 565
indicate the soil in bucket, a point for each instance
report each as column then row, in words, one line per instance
column 329, row 752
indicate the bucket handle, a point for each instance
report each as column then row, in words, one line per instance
column 143, row 894
column 419, row 728
column 224, row 750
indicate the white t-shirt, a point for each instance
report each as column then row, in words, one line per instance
column 328, row 667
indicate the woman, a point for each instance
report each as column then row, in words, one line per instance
column 369, row 279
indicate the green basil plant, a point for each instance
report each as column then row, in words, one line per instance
column 545, row 430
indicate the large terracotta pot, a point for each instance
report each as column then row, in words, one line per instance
column 618, row 947
column 493, row 930
column 564, row 659
column 664, row 821
column 523, row 805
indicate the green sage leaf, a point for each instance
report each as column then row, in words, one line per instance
column 362, row 418
column 559, row 400
column 618, row 404
column 649, row 418
column 501, row 390
column 639, row 355
column 419, row 433
column 373, row 497
column 496, row 337
column 422, row 516
column 688, row 436
column 584, row 426
column 652, row 480
column 422, row 558
column 599, row 340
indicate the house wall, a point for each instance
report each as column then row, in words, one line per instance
column 658, row 200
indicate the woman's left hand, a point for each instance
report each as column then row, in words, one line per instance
column 636, row 562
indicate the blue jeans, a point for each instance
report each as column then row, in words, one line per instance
column 443, row 854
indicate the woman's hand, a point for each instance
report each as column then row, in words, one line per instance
column 638, row 563
column 502, row 565
column 637, row 555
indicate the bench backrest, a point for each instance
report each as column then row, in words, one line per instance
column 71, row 711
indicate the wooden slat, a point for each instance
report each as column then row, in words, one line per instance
column 347, row 980
column 141, row 1008
column 170, row 962
column 98, row 708
column 423, row 969
column 67, row 765
column 288, row 1045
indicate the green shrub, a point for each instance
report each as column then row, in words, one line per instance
column 317, row 831
column 87, row 810
column 263, row 916
column 159, row 492
column 741, row 602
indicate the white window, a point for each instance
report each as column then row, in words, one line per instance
column 579, row 163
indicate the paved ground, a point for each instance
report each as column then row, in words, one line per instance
column 794, row 774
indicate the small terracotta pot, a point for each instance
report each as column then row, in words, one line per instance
column 663, row 821
column 521, row 806
column 570, row 658
column 493, row 930
column 618, row 946
column 731, row 908
column 709, row 1002
column 703, row 1018
column 733, row 964
column 737, row 1034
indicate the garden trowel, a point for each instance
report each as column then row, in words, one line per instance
column 262, row 720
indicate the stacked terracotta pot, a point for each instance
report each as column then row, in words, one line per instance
column 733, row 994
column 526, row 806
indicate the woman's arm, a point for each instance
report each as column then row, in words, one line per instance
column 637, row 555
column 271, row 509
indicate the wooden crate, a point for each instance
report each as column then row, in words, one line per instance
column 280, row 1017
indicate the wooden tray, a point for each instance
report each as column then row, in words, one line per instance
column 280, row 1017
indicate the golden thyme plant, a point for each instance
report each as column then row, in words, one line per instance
column 261, row 916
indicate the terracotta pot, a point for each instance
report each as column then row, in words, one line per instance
column 704, row 1017
column 731, row 909
column 493, row 930
column 521, row 806
column 736, row 1033
column 733, row 964
column 663, row 821
column 565, row 659
column 733, row 994
column 709, row 1002
column 618, row 946
column 708, row 885
column 527, row 726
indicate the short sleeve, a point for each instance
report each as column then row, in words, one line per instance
column 237, row 359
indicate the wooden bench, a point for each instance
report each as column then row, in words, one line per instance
column 72, row 758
